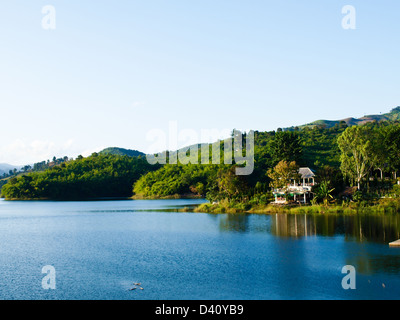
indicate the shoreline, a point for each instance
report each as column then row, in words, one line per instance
column 388, row 207
column 384, row 206
column 68, row 200
column 135, row 197
column 170, row 197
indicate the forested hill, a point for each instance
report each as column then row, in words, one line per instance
column 315, row 147
column 121, row 152
column 117, row 172
column 393, row 116
column 92, row 177
column 312, row 147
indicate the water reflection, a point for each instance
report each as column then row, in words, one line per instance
column 375, row 228
column 366, row 237
column 234, row 222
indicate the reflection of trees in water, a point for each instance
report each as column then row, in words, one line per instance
column 367, row 263
column 374, row 228
column 367, row 259
column 377, row 228
column 234, row 222
column 361, row 227
column 244, row 223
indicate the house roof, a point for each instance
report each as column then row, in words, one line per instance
column 306, row 173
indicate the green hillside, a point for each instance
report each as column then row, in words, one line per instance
column 121, row 172
column 122, row 152
column 92, row 177
column 393, row 115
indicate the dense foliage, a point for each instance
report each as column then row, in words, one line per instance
column 220, row 181
column 316, row 147
column 366, row 156
column 176, row 180
column 367, row 149
column 122, row 152
column 94, row 176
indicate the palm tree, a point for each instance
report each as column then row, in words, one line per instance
column 323, row 192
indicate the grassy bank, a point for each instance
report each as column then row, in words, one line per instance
column 381, row 206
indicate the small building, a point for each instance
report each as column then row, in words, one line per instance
column 299, row 190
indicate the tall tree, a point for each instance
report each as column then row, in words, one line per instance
column 283, row 173
column 393, row 147
column 331, row 176
column 230, row 184
column 356, row 157
column 286, row 146
column 323, row 192
column 379, row 148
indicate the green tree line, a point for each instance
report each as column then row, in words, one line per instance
column 91, row 177
column 329, row 151
column 365, row 156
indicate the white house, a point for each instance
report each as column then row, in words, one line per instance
column 300, row 190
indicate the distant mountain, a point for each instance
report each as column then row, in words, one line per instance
column 393, row 115
column 5, row 168
column 122, row 152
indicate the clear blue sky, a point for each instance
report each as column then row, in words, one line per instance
column 113, row 70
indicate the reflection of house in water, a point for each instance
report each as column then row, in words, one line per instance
column 299, row 190
column 293, row 225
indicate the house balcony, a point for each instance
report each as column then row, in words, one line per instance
column 301, row 189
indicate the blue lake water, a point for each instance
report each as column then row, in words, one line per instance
column 100, row 248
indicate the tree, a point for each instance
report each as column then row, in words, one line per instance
column 379, row 146
column 323, row 192
column 282, row 174
column 286, row 146
column 393, row 147
column 331, row 176
column 199, row 189
column 356, row 153
column 91, row 177
column 230, row 184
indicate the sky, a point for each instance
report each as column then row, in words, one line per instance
column 94, row 74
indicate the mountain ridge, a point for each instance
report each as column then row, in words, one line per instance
column 5, row 168
column 393, row 115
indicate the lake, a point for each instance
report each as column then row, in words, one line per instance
column 98, row 249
